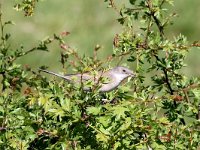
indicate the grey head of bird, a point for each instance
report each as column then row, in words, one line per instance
column 120, row 73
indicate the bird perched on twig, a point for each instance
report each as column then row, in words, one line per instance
column 113, row 78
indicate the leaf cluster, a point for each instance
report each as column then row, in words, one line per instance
column 157, row 110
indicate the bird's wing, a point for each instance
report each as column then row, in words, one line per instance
column 80, row 77
column 105, row 77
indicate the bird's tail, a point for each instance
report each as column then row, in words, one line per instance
column 55, row 74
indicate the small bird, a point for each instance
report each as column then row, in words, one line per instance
column 113, row 78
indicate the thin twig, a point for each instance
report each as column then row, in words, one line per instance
column 192, row 86
column 152, row 13
column 163, row 1
column 147, row 32
column 166, row 76
column 186, row 96
column 114, row 6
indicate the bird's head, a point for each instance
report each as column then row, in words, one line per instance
column 123, row 72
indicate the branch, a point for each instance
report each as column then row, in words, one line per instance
column 166, row 76
column 170, row 89
column 157, row 21
column 147, row 32
column 198, row 116
column 23, row 54
column 193, row 86
column 112, row 4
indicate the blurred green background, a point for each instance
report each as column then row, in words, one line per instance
column 90, row 22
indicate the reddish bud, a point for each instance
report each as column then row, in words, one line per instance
column 166, row 137
column 27, row 67
column 65, row 33
column 64, row 46
column 40, row 131
column 27, row 91
column 116, row 41
column 177, row 98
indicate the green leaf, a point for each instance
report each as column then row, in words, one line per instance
column 164, row 120
column 104, row 120
column 126, row 124
column 116, row 145
column 93, row 110
column 132, row 2
column 43, row 100
column 102, row 138
column 119, row 112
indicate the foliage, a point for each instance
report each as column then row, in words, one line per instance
column 157, row 110
column 28, row 6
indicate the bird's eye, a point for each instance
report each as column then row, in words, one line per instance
column 124, row 70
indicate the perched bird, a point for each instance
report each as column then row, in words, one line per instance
column 113, row 78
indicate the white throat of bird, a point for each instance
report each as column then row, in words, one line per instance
column 120, row 76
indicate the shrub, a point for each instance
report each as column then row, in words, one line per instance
column 157, row 110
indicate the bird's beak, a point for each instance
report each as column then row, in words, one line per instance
column 133, row 74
